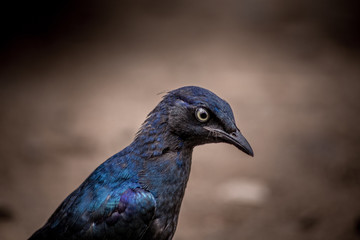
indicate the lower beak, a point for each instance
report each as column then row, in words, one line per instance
column 234, row 138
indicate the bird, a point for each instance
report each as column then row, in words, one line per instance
column 137, row 193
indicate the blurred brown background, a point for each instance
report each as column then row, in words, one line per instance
column 79, row 77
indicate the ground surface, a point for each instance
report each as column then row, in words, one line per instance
column 69, row 104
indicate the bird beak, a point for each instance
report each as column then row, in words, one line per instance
column 234, row 138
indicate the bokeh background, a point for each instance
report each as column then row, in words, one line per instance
column 79, row 77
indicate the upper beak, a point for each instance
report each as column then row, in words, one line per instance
column 234, row 138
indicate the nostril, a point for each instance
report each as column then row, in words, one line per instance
column 233, row 134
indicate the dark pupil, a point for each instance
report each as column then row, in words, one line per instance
column 203, row 115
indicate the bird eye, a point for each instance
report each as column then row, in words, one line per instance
column 202, row 115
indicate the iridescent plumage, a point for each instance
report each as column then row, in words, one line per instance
column 137, row 193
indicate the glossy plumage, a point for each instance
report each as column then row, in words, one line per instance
column 137, row 193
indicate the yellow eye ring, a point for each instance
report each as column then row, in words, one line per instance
column 202, row 115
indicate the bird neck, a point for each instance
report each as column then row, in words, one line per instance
column 155, row 136
column 166, row 156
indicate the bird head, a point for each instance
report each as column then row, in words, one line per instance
column 199, row 116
